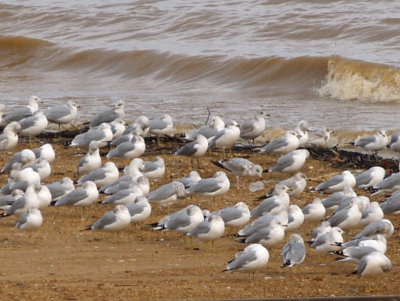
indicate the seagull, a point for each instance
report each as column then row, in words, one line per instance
column 2, row 109
column 7, row 200
column 101, row 134
column 30, row 220
column 395, row 142
column 182, row 221
column 44, row 196
column 129, row 150
column 373, row 143
column 124, row 196
column 154, row 169
column 337, row 182
column 61, row 188
column 370, row 177
column 314, row 211
column 139, row 210
column 294, row 251
column 210, row 229
column 295, row 217
column 382, row 226
column 251, row 129
column 208, row 131
column 45, row 151
column 167, row 194
column 33, row 125
column 22, row 204
column 373, row 213
column 114, row 220
column 373, row 264
column 302, row 132
column 25, row 157
column 24, row 111
column 42, row 167
column 140, row 127
column 253, row 257
column 321, row 139
column 389, row 184
column 263, row 222
column 27, row 175
column 226, row 138
column 330, row 241
column 103, row 175
column 235, row 216
column 190, row 179
column 9, row 138
column 62, row 113
column 355, row 253
column 335, row 199
column 194, row 149
column 91, row 161
column 274, row 204
column 291, row 162
column 85, row 195
column 109, row 115
column 163, row 126
column 214, row 186
column 135, row 168
column 296, row 184
column 268, row 236
column 348, row 217
column 240, row 167
column 392, row 204
column 125, row 182
column 323, row 228
column 283, row 144
column 117, row 127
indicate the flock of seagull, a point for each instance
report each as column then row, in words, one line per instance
column 25, row 195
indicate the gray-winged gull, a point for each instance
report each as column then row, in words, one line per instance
column 254, row 257
column 294, row 251
column 109, row 115
column 114, row 220
column 30, row 220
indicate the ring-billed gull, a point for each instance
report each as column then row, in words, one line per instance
column 240, row 167
column 167, row 194
column 7, row 199
column 85, row 195
column 302, row 132
column 335, row 199
column 226, row 138
column 382, row 226
column 337, row 182
column 395, row 142
column 267, row 236
column 370, row 177
column 25, row 157
column 21, row 205
column 27, row 175
column 44, row 196
column 182, row 221
column 254, row 257
column 154, row 169
column 294, row 251
column 114, row 220
column 141, row 126
column 102, row 134
column 194, row 149
column 91, row 160
column 251, row 129
column 210, row 229
column 208, row 130
column 109, row 115
column 130, row 149
column 163, row 126
column 30, row 220
column 103, row 175
column 348, row 217
column 124, row 196
column 2, row 109
column 24, row 111
column 291, row 162
column 190, row 179
column 373, row 264
column 135, row 168
column 9, row 137
column 61, row 188
column 42, row 167
column 45, row 151
column 373, row 213
column 392, row 204
column 33, row 125
column 329, row 241
column 125, row 182
column 235, row 216
column 314, row 211
column 139, row 210
column 214, row 186
column 320, row 230
column 389, row 184
column 321, row 138
column 295, row 217
column 284, row 144
column 274, row 204
column 62, row 113
column 373, row 143
column 296, row 184
column 118, row 127
column 356, row 253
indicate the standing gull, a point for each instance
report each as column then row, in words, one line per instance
column 33, row 125
column 253, row 257
column 23, row 112
column 163, row 126
column 251, row 129
column 373, row 143
column 62, row 113
column 226, row 138
column 208, row 130
column 194, row 149
column 291, row 162
column 114, row 220
column 283, row 144
column 208, row 230
column 294, row 251
column 109, row 115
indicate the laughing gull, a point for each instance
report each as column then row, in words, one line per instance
column 226, row 138
column 103, row 175
column 240, row 167
column 283, row 144
column 373, row 143
column 9, row 138
column 109, row 115
column 85, row 195
column 25, row 157
column 370, row 177
column 337, row 182
column 101, row 134
column 114, row 220
column 291, row 162
column 30, row 220
column 251, row 129
column 167, row 194
column 182, row 221
column 374, row 263
column 46, row 151
column 254, row 257
column 214, row 186
column 130, row 149
column 294, row 251
column 91, row 161
column 23, row 112
column 194, row 149
column 208, row 130
column 33, row 125
column 62, row 113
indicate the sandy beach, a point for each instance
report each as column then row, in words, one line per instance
column 60, row 261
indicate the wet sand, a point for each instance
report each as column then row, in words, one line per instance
column 60, row 261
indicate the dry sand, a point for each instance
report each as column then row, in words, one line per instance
column 61, row 262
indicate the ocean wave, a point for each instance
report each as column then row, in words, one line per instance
column 364, row 81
